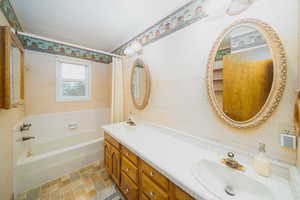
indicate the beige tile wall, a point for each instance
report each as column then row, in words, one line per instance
column 178, row 68
column 8, row 119
column 40, row 86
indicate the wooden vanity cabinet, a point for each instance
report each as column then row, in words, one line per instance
column 179, row 194
column 112, row 158
column 136, row 179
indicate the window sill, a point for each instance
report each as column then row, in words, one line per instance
column 73, row 99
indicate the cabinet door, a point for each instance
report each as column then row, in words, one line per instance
column 115, row 160
column 179, row 194
column 107, row 157
column 143, row 197
column 129, row 188
column 152, row 190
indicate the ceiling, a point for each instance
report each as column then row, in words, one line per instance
column 98, row 24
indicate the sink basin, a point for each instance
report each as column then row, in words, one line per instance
column 226, row 183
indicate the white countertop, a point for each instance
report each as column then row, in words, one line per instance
column 175, row 154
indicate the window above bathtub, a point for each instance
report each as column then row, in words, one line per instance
column 73, row 80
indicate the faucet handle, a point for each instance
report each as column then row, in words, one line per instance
column 230, row 155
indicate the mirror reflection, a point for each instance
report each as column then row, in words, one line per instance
column 140, row 84
column 243, row 73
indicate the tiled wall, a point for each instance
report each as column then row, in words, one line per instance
column 55, row 125
column 40, row 86
column 178, row 88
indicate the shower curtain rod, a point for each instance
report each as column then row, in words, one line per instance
column 69, row 44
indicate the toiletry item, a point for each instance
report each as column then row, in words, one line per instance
column 262, row 164
column 130, row 120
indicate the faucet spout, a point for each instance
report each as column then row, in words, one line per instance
column 27, row 138
column 232, row 163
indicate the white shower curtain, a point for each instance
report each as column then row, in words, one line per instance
column 117, row 104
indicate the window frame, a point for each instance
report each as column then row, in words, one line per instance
column 59, row 79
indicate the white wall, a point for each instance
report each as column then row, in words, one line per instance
column 178, row 90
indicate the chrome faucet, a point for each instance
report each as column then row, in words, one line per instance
column 232, row 163
column 26, row 138
column 25, row 127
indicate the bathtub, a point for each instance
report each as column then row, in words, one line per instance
column 53, row 158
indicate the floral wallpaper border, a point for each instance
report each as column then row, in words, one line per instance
column 9, row 13
column 184, row 16
column 45, row 46
column 50, row 47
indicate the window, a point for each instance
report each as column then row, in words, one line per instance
column 73, row 80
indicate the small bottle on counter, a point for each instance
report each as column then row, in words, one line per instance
column 262, row 164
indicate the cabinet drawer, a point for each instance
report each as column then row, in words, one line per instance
column 152, row 190
column 129, row 169
column 129, row 188
column 112, row 141
column 179, row 194
column 131, row 156
column 155, row 176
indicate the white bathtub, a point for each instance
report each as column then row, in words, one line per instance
column 55, row 157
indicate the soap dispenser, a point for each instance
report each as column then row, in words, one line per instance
column 262, row 164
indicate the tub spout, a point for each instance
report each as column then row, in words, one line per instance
column 26, row 138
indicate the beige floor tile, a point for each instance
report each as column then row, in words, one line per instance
column 108, row 182
column 79, row 193
column 68, row 195
column 88, row 183
column 92, row 193
column 96, row 178
column 55, row 195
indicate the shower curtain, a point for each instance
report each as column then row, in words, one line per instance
column 117, row 104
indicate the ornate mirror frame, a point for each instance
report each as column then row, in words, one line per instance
column 279, row 78
column 148, row 85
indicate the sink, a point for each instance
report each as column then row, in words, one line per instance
column 226, row 183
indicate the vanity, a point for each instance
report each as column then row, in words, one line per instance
column 136, row 178
column 147, row 161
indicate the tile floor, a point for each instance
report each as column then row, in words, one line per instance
column 89, row 183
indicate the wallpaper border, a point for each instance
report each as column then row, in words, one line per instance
column 10, row 14
column 182, row 17
column 45, row 46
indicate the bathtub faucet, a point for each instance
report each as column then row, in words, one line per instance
column 25, row 127
column 26, row 138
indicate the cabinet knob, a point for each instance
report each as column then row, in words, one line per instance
column 151, row 174
column 127, row 154
column 126, row 169
column 126, row 190
column 152, row 194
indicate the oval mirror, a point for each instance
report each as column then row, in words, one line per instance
column 140, row 84
column 246, row 73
